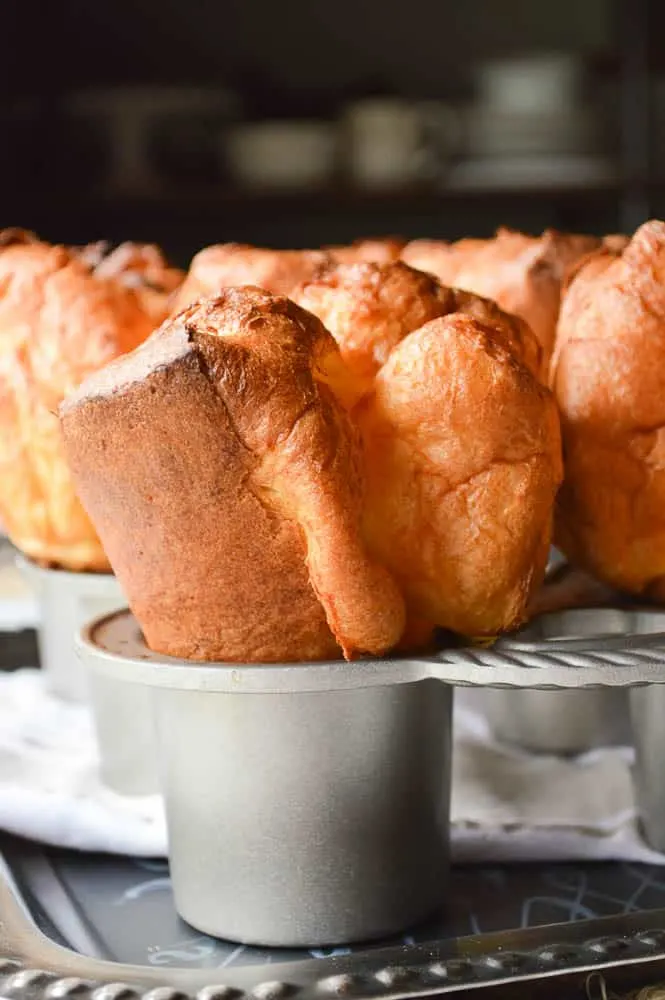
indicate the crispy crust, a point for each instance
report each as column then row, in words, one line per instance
column 141, row 266
column 261, row 501
column 226, row 483
column 370, row 308
column 608, row 374
column 463, row 463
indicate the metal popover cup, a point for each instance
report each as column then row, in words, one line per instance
column 67, row 600
column 557, row 722
column 121, row 711
column 647, row 712
column 125, row 731
column 567, row 722
column 563, row 722
column 295, row 818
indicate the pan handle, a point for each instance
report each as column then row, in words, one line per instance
column 601, row 660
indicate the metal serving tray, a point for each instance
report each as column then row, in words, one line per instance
column 102, row 928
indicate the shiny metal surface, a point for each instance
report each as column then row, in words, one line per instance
column 128, row 760
column 563, row 721
column 647, row 712
column 566, row 722
column 66, row 602
column 125, row 734
column 307, row 819
column 628, row 950
column 590, row 648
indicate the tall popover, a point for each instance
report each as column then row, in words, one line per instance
column 227, row 485
column 608, row 374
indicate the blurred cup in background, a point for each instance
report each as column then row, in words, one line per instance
column 384, row 139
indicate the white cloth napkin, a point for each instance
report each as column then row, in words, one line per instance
column 509, row 805
column 49, row 778
column 506, row 805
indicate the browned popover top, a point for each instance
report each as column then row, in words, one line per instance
column 141, row 266
column 522, row 273
column 462, row 445
column 235, row 264
column 368, row 251
column 369, row 308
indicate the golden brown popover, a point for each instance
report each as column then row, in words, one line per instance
column 60, row 318
column 369, row 308
column 143, row 267
column 461, row 442
column 383, row 250
column 267, row 496
column 608, row 375
column 227, row 485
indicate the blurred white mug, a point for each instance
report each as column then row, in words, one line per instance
column 384, row 142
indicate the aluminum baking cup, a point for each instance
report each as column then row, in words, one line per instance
column 296, row 818
column 66, row 601
column 566, row 722
column 125, row 731
column 121, row 711
column 563, row 722
column 647, row 711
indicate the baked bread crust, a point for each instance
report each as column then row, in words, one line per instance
column 369, row 308
column 228, row 265
column 523, row 274
column 141, row 266
column 368, row 251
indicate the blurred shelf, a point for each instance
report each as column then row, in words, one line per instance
column 183, row 221
column 207, row 198
column 349, row 199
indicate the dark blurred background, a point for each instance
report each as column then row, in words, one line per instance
column 305, row 122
